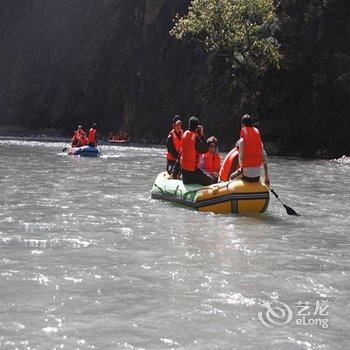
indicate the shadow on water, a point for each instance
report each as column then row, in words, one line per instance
column 267, row 217
column 255, row 218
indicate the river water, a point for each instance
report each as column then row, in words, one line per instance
column 88, row 260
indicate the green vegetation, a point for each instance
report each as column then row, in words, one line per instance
column 241, row 31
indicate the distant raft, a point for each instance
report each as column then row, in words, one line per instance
column 84, row 151
column 232, row 197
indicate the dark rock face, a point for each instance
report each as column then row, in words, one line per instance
column 308, row 101
column 110, row 61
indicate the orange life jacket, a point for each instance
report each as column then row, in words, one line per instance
column 83, row 141
column 252, row 147
column 230, row 165
column 177, row 143
column 92, row 135
column 212, row 162
column 76, row 137
column 189, row 159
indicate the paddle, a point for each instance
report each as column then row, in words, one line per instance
column 289, row 210
column 65, row 149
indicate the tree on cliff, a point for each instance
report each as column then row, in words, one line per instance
column 240, row 31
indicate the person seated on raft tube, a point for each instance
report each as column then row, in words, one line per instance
column 173, row 144
column 229, row 165
column 83, row 139
column 76, row 136
column 193, row 144
column 251, row 153
column 211, row 161
column 93, row 136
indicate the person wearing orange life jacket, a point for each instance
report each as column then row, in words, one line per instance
column 251, row 153
column 229, row 165
column 93, row 136
column 76, row 136
column 193, row 144
column 83, row 140
column 173, row 144
column 211, row 161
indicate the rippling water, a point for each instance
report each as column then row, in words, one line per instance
column 88, row 260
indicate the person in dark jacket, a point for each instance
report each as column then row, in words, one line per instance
column 193, row 144
column 173, row 144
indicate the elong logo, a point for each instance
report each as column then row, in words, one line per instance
column 278, row 313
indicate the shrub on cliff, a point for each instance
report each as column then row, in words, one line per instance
column 241, row 31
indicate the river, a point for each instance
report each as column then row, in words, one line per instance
column 89, row 260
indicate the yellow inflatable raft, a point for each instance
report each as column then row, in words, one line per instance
column 234, row 197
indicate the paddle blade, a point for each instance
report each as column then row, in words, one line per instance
column 64, row 149
column 291, row 211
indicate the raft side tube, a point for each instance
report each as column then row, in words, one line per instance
column 84, row 151
column 228, row 197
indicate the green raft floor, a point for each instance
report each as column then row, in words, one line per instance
column 175, row 190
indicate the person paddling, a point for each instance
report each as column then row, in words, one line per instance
column 251, row 153
column 193, row 144
column 173, row 144
column 93, row 136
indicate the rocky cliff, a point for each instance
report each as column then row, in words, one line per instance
column 110, row 61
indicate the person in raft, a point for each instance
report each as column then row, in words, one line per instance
column 211, row 161
column 229, row 165
column 193, row 144
column 76, row 136
column 173, row 144
column 251, row 153
column 83, row 139
column 93, row 136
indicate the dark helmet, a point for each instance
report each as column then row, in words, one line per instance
column 176, row 119
column 247, row 120
column 193, row 123
column 212, row 139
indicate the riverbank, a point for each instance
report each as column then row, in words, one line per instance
column 56, row 135
column 44, row 134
